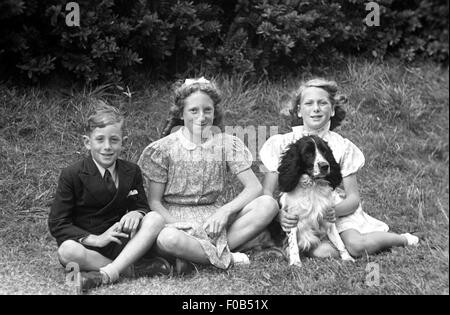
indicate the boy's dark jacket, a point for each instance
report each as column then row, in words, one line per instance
column 83, row 205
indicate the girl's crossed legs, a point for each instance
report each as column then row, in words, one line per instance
column 250, row 221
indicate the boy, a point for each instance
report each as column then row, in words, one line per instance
column 100, row 204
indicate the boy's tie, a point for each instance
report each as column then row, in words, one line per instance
column 109, row 183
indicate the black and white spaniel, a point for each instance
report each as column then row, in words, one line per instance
column 308, row 175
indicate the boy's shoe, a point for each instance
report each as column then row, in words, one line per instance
column 89, row 280
column 130, row 272
column 156, row 266
column 183, row 267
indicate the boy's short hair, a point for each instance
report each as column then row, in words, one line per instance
column 103, row 115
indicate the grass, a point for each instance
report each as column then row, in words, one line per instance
column 398, row 116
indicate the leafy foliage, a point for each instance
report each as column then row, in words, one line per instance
column 169, row 37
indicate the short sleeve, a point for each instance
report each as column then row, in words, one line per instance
column 352, row 159
column 154, row 163
column 237, row 155
column 270, row 153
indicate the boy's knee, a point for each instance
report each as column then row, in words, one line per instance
column 70, row 251
column 169, row 240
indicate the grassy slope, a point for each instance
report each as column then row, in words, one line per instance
column 398, row 116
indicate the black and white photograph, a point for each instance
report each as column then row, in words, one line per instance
column 224, row 153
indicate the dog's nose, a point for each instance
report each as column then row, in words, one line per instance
column 324, row 167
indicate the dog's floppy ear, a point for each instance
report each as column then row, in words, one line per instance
column 335, row 176
column 290, row 168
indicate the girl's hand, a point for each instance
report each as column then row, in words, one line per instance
column 216, row 223
column 130, row 222
column 287, row 220
column 330, row 215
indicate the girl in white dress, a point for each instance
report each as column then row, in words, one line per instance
column 319, row 109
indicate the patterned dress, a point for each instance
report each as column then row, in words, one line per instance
column 194, row 178
column 347, row 155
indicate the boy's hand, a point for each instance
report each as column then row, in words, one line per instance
column 330, row 215
column 287, row 220
column 130, row 222
column 110, row 235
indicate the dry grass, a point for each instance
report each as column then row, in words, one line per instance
column 397, row 115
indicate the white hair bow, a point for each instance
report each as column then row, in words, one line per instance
column 192, row 81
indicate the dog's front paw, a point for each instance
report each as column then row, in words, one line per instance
column 346, row 256
column 296, row 263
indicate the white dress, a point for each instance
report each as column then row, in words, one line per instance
column 347, row 155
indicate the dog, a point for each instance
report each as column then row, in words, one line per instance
column 308, row 175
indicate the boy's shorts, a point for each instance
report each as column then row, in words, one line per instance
column 111, row 251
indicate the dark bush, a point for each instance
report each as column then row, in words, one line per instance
column 165, row 38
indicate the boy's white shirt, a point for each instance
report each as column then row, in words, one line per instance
column 112, row 170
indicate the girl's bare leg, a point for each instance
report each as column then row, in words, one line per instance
column 357, row 244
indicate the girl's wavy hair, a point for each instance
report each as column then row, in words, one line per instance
column 181, row 91
column 338, row 101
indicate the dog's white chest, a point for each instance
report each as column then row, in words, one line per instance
column 308, row 202
column 310, row 206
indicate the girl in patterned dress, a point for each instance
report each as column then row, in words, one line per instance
column 319, row 108
column 184, row 176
